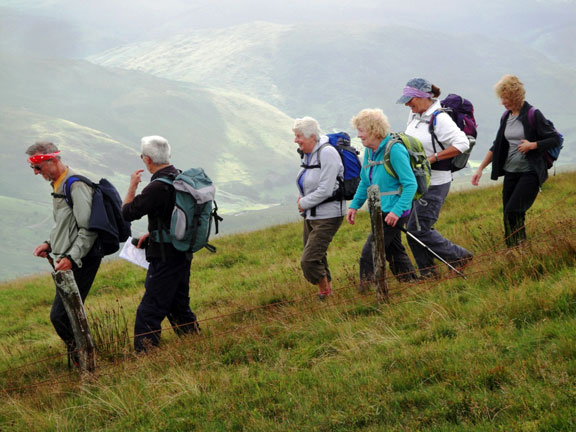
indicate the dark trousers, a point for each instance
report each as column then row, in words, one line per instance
column 427, row 211
column 519, row 192
column 396, row 255
column 84, row 277
column 166, row 296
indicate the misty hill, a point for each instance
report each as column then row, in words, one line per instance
column 80, row 28
column 332, row 71
column 98, row 115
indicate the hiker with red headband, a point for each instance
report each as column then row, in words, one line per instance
column 70, row 240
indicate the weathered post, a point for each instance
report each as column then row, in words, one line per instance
column 378, row 252
column 68, row 290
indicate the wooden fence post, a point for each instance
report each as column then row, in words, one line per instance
column 378, row 252
column 68, row 290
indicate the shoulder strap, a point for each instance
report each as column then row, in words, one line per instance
column 318, row 165
column 166, row 180
column 531, row 113
column 67, row 195
column 431, row 128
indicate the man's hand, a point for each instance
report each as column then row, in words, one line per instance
column 135, row 178
column 42, row 250
column 141, row 240
column 63, row 264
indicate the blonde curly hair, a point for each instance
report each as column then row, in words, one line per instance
column 512, row 89
column 373, row 121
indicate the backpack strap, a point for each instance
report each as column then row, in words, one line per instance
column 337, row 196
column 67, row 195
column 446, row 164
column 531, row 113
column 158, row 235
column 318, row 165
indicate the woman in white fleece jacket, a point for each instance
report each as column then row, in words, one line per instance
column 421, row 97
column 317, row 181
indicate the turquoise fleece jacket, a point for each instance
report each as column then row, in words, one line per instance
column 397, row 204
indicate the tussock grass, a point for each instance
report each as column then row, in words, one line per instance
column 493, row 352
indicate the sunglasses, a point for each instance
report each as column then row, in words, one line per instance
column 36, row 167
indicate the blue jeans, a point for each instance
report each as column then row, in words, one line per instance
column 427, row 210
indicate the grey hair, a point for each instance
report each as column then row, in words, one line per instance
column 42, row 147
column 307, row 126
column 157, row 149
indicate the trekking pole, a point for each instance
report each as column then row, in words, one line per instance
column 51, row 261
column 432, row 252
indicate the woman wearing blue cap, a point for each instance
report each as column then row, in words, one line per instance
column 421, row 97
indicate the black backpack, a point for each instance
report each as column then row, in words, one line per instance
column 106, row 216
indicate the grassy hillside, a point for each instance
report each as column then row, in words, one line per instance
column 331, row 71
column 493, row 352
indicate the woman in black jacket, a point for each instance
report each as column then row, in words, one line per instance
column 522, row 140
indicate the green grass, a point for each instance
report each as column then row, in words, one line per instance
column 493, row 352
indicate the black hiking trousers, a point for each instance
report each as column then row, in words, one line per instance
column 167, row 296
column 84, row 277
column 519, row 191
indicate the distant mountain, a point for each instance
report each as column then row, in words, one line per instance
column 98, row 115
column 239, row 140
column 331, row 72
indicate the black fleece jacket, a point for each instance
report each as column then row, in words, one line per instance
column 542, row 132
column 157, row 202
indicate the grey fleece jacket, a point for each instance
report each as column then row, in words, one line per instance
column 70, row 234
column 320, row 183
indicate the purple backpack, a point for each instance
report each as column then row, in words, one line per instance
column 462, row 112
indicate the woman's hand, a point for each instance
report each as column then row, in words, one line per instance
column 391, row 219
column 351, row 216
column 525, row 146
column 476, row 177
column 299, row 207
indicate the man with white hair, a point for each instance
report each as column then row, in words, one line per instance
column 168, row 278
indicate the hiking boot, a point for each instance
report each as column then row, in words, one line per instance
column 462, row 262
column 323, row 295
column 428, row 274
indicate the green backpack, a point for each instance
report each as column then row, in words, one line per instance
column 193, row 212
column 418, row 161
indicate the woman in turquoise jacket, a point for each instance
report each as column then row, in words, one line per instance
column 396, row 193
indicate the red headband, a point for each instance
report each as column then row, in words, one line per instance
column 42, row 157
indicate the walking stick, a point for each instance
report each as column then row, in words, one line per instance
column 432, row 252
column 51, row 261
